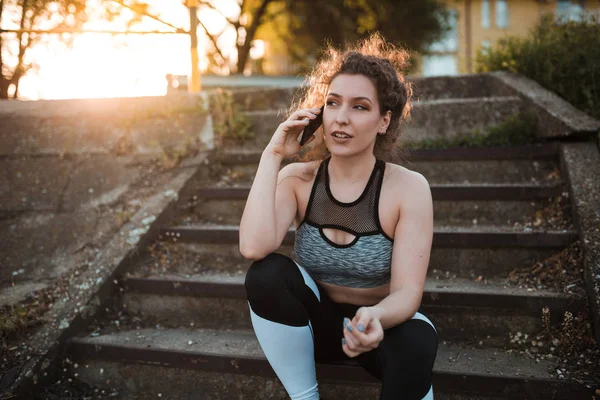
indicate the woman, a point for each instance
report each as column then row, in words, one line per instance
column 364, row 229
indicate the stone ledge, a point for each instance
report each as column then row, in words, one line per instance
column 142, row 125
column 582, row 163
column 96, row 280
column 556, row 117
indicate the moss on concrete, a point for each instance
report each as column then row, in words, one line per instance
column 519, row 129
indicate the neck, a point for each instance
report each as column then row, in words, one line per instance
column 351, row 169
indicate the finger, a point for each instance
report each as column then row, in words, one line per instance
column 363, row 318
column 301, row 114
column 372, row 335
column 358, row 341
column 300, row 123
column 361, row 337
column 352, row 343
column 346, row 350
column 375, row 333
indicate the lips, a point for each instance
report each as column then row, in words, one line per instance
column 341, row 135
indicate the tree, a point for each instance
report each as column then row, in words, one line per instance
column 411, row 23
column 253, row 14
column 30, row 14
column 303, row 25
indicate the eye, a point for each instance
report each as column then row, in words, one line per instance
column 361, row 107
column 330, row 102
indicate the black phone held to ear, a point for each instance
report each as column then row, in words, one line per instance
column 312, row 126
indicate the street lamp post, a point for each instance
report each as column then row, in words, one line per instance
column 194, row 84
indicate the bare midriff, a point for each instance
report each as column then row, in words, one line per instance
column 357, row 296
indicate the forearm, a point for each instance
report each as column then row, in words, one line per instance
column 398, row 307
column 258, row 231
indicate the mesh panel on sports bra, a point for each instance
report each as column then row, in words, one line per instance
column 359, row 217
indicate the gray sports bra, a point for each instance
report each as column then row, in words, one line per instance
column 363, row 263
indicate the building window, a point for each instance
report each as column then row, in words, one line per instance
column 502, row 14
column 485, row 14
column 486, row 44
column 568, row 10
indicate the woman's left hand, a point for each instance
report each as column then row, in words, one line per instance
column 361, row 334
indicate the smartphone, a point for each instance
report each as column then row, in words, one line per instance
column 312, row 126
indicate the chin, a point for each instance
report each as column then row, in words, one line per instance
column 340, row 151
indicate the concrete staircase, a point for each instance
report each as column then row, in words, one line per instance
column 180, row 326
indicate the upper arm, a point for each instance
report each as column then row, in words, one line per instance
column 413, row 237
column 286, row 204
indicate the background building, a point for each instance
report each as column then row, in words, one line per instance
column 477, row 23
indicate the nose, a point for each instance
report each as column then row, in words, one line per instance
column 341, row 116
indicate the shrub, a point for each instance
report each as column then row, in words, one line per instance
column 228, row 119
column 562, row 57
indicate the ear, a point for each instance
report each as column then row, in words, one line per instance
column 385, row 121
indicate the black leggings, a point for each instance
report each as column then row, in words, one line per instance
column 278, row 291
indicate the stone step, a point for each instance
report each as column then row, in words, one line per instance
column 224, row 365
column 548, row 213
column 443, row 237
column 430, row 119
column 456, row 204
column 424, row 88
column 476, row 311
column 264, row 99
column 519, row 164
column 458, row 262
column 458, row 192
column 539, row 151
column 465, row 253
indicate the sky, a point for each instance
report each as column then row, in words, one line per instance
column 102, row 65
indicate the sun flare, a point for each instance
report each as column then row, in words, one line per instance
column 104, row 65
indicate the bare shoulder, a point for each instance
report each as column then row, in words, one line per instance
column 399, row 179
column 304, row 171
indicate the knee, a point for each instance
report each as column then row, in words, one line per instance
column 266, row 275
column 276, row 291
column 411, row 349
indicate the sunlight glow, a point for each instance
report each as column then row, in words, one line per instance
column 103, row 65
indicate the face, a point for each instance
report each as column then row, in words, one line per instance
column 351, row 119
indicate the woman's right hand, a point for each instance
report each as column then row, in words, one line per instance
column 284, row 142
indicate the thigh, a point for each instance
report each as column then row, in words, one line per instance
column 280, row 290
column 327, row 323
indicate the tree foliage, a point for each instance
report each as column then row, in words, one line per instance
column 30, row 14
column 562, row 56
column 302, row 26
column 411, row 23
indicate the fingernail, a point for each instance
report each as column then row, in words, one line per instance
column 349, row 327
column 346, row 320
column 343, row 341
column 361, row 327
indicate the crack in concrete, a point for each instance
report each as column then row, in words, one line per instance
column 61, row 197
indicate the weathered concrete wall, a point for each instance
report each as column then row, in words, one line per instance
column 582, row 163
column 73, row 172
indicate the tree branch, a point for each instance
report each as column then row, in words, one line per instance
column 236, row 24
column 244, row 50
column 154, row 17
column 256, row 21
column 22, row 47
column 1, row 60
column 212, row 38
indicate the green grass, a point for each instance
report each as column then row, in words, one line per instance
column 519, row 129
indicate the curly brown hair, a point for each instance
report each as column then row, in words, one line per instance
column 378, row 60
